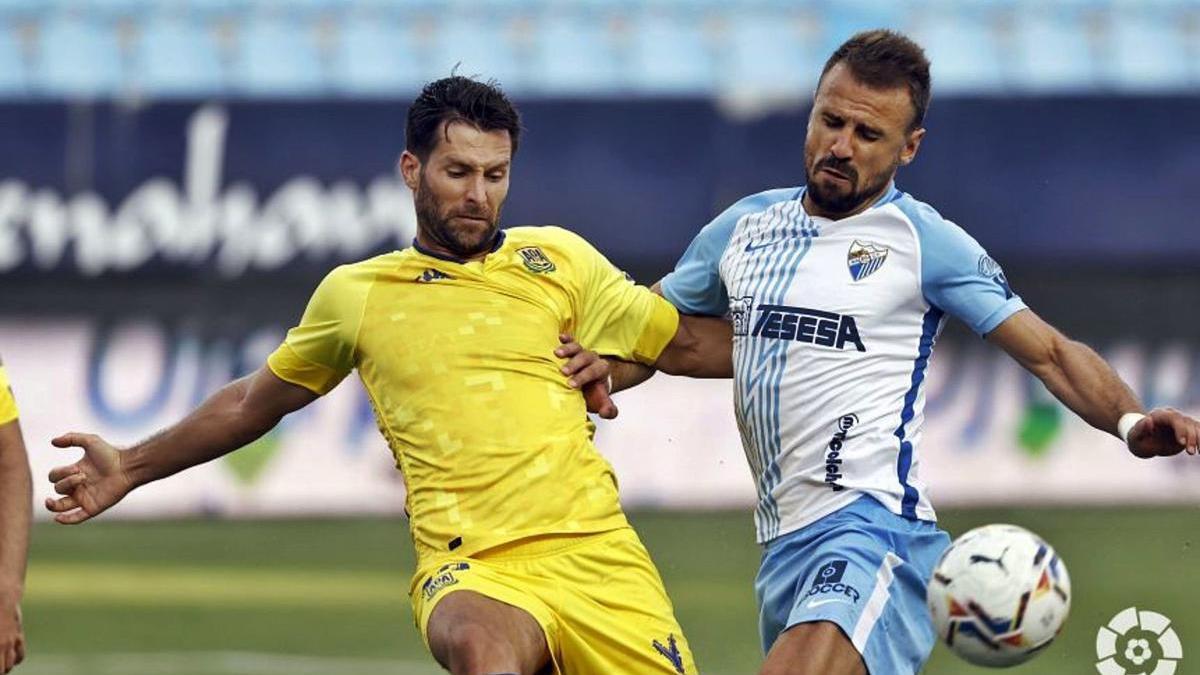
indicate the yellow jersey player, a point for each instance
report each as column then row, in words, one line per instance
column 526, row 563
column 16, row 493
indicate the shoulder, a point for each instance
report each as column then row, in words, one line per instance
column 717, row 233
column 354, row 279
column 926, row 220
column 550, row 239
column 756, row 203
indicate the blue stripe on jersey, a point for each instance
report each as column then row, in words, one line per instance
column 769, row 356
column 929, row 330
column 788, row 269
column 760, row 360
column 785, row 272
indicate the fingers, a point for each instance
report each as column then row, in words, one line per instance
column 67, row 485
column 60, row 472
column 596, row 370
column 72, row 517
column 570, row 348
column 74, row 439
column 599, row 401
column 62, row 504
column 580, row 362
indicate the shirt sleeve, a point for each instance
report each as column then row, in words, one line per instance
column 8, row 404
column 321, row 350
column 617, row 317
column 695, row 285
column 958, row 276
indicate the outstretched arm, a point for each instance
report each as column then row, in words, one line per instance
column 237, row 414
column 16, row 492
column 1079, row 378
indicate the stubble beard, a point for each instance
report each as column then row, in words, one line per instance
column 462, row 242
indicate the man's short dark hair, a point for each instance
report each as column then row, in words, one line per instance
column 458, row 99
column 884, row 59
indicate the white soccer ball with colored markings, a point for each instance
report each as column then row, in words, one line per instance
column 999, row 595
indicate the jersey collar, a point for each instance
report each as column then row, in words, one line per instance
column 496, row 244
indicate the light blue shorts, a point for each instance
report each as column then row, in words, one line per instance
column 863, row 568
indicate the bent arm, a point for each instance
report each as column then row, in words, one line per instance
column 16, row 495
column 237, row 414
column 1071, row 370
column 702, row 347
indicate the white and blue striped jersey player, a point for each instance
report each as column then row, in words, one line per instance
column 834, row 324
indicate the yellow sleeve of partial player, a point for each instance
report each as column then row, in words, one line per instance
column 320, row 351
column 8, row 404
column 617, row 317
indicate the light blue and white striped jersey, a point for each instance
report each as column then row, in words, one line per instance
column 834, row 324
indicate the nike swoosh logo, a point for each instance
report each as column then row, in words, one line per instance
column 818, row 603
column 751, row 247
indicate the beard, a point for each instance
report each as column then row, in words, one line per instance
column 834, row 203
column 461, row 239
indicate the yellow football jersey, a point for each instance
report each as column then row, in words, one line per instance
column 8, row 405
column 458, row 361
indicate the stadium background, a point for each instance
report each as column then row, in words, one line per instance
column 176, row 176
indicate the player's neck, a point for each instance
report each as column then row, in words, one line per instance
column 426, row 244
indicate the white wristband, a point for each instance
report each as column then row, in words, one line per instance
column 1126, row 424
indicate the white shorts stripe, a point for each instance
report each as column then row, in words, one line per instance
column 876, row 603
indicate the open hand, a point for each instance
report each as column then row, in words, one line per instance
column 91, row 485
column 1164, row 432
column 588, row 372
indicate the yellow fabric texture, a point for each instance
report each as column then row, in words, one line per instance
column 598, row 599
column 458, row 361
column 8, row 404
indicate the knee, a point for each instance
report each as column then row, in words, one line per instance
column 470, row 648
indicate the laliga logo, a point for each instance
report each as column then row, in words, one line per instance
column 1138, row 643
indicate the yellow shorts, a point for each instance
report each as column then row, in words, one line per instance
column 598, row 598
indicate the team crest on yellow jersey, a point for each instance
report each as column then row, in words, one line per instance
column 535, row 260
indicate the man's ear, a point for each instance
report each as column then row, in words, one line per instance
column 911, row 145
column 410, row 169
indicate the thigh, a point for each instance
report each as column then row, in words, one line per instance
column 866, row 579
column 487, row 601
column 614, row 612
column 465, row 620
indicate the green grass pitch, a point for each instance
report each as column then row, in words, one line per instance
column 329, row 596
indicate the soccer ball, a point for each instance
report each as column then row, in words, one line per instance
column 998, row 595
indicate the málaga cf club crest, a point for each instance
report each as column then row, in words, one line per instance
column 865, row 258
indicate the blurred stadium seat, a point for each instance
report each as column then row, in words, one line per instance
column 769, row 53
column 962, row 45
column 485, row 45
column 178, row 55
column 671, row 53
column 13, row 71
column 603, row 47
column 378, row 54
column 1148, row 47
column 78, row 57
column 1056, row 45
column 574, row 54
column 277, row 54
